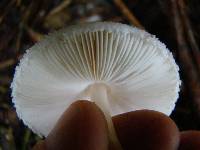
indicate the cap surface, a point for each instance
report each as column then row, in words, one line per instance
column 139, row 71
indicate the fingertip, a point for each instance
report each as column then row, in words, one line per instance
column 40, row 146
column 145, row 129
column 190, row 140
column 81, row 127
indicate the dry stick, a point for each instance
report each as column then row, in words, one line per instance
column 6, row 64
column 60, row 7
column 190, row 35
column 9, row 62
column 6, row 39
column 35, row 36
column 5, row 80
column 7, row 9
column 18, row 41
column 128, row 14
column 186, row 63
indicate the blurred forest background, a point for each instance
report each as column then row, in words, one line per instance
column 24, row 22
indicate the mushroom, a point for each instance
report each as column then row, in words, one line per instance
column 119, row 67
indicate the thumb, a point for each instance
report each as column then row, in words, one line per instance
column 81, row 127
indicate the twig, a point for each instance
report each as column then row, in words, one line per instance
column 127, row 13
column 58, row 8
column 7, row 9
column 18, row 3
column 7, row 138
column 35, row 36
column 3, row 89
column 9, row 116
column 189, row 72
column 190, row 34
column 6, row 38
column 26, row 139
column 6, row 64
column 5, row 80
column 18, row 40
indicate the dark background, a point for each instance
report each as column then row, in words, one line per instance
column 24, row 22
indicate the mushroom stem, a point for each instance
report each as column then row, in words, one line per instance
column 99, row 96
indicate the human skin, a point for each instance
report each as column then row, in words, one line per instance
column 190, row 140
column 83, row 127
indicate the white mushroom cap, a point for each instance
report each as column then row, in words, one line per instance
column 136, row 70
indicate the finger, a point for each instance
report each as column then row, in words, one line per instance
column 81, row 127
column 40, row 146
column 190, row 140
column 146, row 130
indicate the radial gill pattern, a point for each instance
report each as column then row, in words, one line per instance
column 137, row 69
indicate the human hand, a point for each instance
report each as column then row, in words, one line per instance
column 83, row 127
